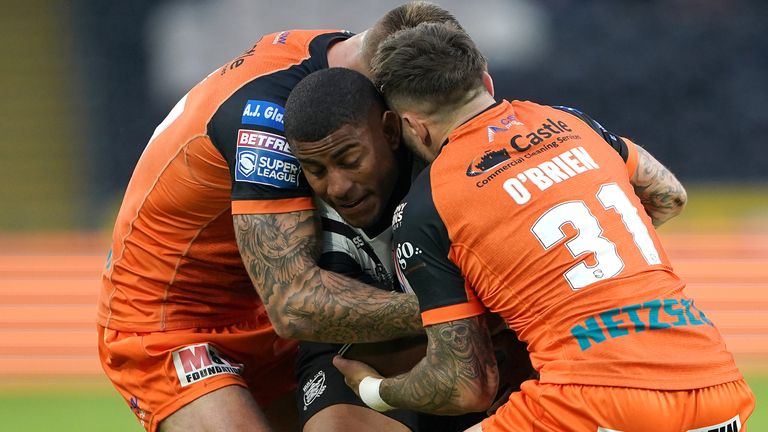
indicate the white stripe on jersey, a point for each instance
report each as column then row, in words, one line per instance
column 381, row 245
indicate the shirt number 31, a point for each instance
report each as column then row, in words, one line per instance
column 548, row 230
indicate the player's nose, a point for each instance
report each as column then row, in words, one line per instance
column 339, row 185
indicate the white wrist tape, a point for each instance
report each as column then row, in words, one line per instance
column 369, row 393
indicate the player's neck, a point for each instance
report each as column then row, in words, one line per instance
column 402, row 185
column 445, row 126
column 469, row 110
column 347, row 54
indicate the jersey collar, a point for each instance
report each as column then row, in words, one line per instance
column 488, row 111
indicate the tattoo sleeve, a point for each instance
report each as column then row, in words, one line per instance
column 457, row 375
column 305, row 302
column 660, row 192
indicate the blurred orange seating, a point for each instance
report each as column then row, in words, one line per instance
column 49, row 286
column 48, row 290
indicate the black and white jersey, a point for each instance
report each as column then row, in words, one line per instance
column 349, row 251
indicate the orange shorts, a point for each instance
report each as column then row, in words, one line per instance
column 579, row 408
column 158, row 373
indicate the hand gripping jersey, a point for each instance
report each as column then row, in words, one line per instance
column 174, row 262
column 528, row 211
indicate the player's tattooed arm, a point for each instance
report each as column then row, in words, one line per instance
column 660, row 192
column 457, row 375
column 305, row 302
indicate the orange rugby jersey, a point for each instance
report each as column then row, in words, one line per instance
column 174, row 262
column 528, row 212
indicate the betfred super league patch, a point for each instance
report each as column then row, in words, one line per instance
column 197, row 362
column 266, row 158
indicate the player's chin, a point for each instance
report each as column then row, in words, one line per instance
column 363, row 215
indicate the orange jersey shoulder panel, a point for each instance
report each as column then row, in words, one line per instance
column 174, row 259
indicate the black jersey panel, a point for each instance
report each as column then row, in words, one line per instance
column 247, row 129
column 422, row 247
column 615, row 141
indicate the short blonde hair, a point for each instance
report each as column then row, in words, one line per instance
column 402, row 17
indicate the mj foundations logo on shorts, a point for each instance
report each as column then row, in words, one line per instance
column 197, row 362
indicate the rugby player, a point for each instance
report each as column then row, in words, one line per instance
column 560, row 243
column 348, row 144
column 217, row 206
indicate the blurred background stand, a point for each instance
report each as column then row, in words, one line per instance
column 83, row 83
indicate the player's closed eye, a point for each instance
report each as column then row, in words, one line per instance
column 314, row 171
column 350, row 162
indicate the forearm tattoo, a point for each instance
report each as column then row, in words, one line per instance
column 279, row 252
column 459, row 364
column 660, row 192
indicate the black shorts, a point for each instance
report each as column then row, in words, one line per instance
column 322, row 385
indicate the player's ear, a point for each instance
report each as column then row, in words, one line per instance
column 390, row 123
column 415, row 127
column 488, row 82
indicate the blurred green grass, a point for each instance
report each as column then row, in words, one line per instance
column 64, row 405
column 759, row 420
column 724, row 208
column 70, row 407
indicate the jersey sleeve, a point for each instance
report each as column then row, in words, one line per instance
column 422, row 263
column 624, row 147
column 247, row 129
